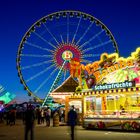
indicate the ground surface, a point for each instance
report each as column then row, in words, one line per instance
column 62, row 133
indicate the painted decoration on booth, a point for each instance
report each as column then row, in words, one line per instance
column 75, row 67
column 111, row 69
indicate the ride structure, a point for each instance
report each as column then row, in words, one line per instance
column 50, row 43
column 6, row 98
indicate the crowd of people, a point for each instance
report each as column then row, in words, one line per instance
column 42, row 115
column 9, row 116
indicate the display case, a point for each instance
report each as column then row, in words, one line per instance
column 112, row 111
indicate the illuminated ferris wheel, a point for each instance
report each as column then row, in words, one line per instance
column 48, row 45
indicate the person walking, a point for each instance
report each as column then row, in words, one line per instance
column 72, row 119
column 29, row 122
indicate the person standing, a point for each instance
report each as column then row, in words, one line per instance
column 42, row 116
column 48, row 116
column 29, row 122
column 12, row 116
column 38, row 114
column 72, row 119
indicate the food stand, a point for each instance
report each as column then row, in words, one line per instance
column 111, row 97
column 113, row 109
column 66, row 89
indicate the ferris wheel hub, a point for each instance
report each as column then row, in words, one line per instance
column 65, row 52
column 67, row 55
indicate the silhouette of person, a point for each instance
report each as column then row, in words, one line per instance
column 29, row 122
column 48, row 116
column 72, row 119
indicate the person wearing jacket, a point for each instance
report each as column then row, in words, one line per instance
column 72, row 120
column 29, row 122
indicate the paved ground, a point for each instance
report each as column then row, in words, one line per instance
column 62, row 133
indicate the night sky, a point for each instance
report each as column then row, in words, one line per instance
column 16, row 16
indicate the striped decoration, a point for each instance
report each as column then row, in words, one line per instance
column 106, row 91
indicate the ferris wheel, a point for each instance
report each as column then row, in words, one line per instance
column 46, row 48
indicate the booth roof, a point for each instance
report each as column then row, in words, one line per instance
column 69, row 85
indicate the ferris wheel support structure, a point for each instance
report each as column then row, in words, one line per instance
column 54, row 83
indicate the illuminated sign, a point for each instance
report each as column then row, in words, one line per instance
column 67, row 55
column 7, row 97
column 107, row 64
column 126, row 84
column 113, row 69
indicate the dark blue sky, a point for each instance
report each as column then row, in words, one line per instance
column 16, row 16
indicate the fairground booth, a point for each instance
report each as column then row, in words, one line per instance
column 109, row 91
column 63, row 94
column 67, row 88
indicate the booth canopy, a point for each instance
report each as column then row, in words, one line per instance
column 69, row 85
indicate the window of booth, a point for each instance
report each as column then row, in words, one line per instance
column 118, row 105
column 126, row 102
column 77, row 105
column 93, row 106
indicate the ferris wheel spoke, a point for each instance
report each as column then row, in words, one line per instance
column 90, row 55
column 62, row 39
column 92, row 38
column 76, row 30
column 88, row 28
column 39, row 36
column 65, row 72
column 39, row 47
column 44, row 82
column 40, row 73
column 35, row 55
column 55, row 82
column 36, row 64
column 67, row 29
column 51, row 34
column 97, row 46
column 86, row 61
